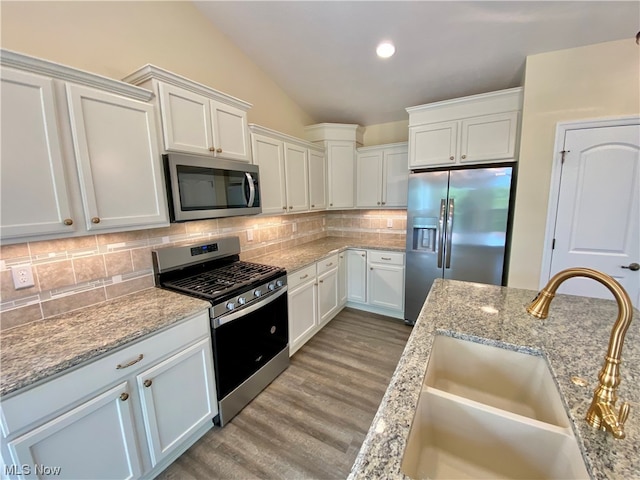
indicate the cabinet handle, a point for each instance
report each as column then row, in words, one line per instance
column 290, row 207
column 284, row 208
column 362, row 255
column 212, row 149
column 320, row 281
column 68, row 221
column 385, row 258
column 370, row 268
column 124, row 396
column 384, row 203
column 147, row 383
column 341, row 256
column 304, row 276
column 218, row 150
column 378, row 203
column 451, row 157
column 132, row 362
column 95, row 220
column 463, row 157
column 328, row 264
column 313, row 206
column 331, row 204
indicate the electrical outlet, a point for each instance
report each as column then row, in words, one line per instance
column 295, row 226
column 389, row 222
column 22, row 276
column 249, row 235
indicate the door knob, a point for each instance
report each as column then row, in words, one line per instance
column 632, row 266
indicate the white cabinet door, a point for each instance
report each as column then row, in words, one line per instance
column 489, row 137
column 327, row 295
column 117, row 158
column 342, row 278
column 386, row 286
column 340, row 160
column 317, row 180
column 230, row 134
column 94, row 440
column 303, row 313
column 33, row 192
column 178, row 397
column 357, row 276
column 186, row 120
column 369, row 179
column 296, row 174
column 395, row 178
column 268, row 154
column 433, row 144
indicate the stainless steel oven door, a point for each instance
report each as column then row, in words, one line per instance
column 202, row 187
column 246, row 340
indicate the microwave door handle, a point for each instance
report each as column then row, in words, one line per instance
column 252, row 189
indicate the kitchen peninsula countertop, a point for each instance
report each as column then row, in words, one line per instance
column 39, row 350
column 574, row 339
column 300, row 256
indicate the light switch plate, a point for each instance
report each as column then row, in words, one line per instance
column 22, row 276
column 249, row 235
column 389, row 222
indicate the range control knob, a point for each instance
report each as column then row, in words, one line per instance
column 279, row 283
column 257, row 293
column 242, row 300
column 272, row 287
column 231, row 306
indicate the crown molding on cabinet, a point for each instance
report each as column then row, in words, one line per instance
column 385, row 145
column 148, row 72
column 509, row 100
column 39, row 66
column 335, row 132
column 259, row 129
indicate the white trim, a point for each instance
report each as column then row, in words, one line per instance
column 259, row 129
column 554, row 191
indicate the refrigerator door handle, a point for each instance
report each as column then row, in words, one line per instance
column 440, row 232
column 449, row 233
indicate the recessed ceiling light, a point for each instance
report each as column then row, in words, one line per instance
column 385, row 50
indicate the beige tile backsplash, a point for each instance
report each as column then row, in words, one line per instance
column 77, row 272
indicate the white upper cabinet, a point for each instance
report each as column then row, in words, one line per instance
column 476, row 129
column 195, row 118
column 291, row 172
column 340, row 141
column 296, row 173
column 79, row 153
column 317, row 180
column 382, row 176
column 268, row 154
column 33, row 191
column 117, row 159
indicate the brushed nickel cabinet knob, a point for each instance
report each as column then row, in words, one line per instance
column 147, row 383
column 451, row 157
column 218, row 150
column 124, row 396
column 68, row 221
column 212, row 149
column 95, row 220
column 464, row 156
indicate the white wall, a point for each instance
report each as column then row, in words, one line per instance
column 597, row 81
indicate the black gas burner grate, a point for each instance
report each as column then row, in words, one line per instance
column 213, row 283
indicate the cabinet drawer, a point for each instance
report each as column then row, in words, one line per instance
column 391, row 258
column 327, row 264
column 57, row 395
column 301, row 276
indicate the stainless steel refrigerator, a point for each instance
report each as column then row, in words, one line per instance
column 457, row 226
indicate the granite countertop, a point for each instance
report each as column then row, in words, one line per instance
column 299, row 257
column 38, row 350
column 574, row 340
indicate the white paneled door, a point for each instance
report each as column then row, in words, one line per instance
column 598, row 216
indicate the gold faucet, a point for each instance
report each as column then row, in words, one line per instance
column 601, row 413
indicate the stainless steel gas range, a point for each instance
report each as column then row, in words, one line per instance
column 249, row 324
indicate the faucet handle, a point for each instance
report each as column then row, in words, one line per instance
column 623, row 414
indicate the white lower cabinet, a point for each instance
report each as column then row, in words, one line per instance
column 314, row 299
column 342, row 278
column 376, row 281
column 124, row 416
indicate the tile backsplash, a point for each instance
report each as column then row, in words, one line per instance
column 77, row 272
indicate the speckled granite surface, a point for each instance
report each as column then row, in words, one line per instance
column 308, row 253
column 39, row 350
column 574, row 340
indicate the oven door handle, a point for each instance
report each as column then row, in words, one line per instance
column 251, row 308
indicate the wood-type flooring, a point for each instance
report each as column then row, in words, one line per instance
column 310, row 422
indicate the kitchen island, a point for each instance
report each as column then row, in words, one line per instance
column 574, row 340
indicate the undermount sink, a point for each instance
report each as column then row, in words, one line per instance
column 489, row 412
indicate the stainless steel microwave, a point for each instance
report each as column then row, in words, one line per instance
column 202, row 187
